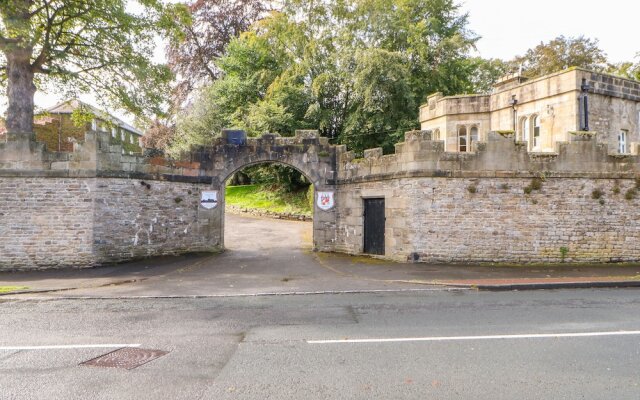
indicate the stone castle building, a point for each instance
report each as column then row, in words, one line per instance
column 542, row 112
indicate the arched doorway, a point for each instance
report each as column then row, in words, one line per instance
column 311, row 155
column 267, row 206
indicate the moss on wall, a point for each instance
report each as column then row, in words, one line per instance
column 58, row 132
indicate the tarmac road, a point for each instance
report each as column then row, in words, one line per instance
column 439, row 344
column 408, row 341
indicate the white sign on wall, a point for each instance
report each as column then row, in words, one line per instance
column 325, row 200
column 209, row 199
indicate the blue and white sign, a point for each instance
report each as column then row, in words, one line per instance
column 209, row 199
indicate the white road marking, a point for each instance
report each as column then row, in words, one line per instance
column 68, row 347
column 486, row 337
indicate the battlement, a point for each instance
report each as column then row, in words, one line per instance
column 98, row 157
column 499, row 156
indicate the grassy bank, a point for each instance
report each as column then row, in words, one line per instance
column 268, row 199
column 8, row 289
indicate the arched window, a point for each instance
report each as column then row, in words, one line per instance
column 462, row 139
column 473, row 137
column 436, row 134
column 524, row 128
column 536, row 132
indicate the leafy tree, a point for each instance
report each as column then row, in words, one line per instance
column 382, row 106
column 483, row 73
column 213, row 24
column 82, row 46
column 561, row 53
column 629, row 69
column 357, row 70
column 249, row 68
column 159, row 135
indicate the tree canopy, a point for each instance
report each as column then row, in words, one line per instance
column 561, row 53
column 212, row 25
column 78, row 46
column 356, row 70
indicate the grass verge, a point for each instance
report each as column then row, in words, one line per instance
column 7, row 289
column 268, row 199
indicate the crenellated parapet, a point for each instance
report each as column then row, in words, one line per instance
column 499, row 156
column 98, row 157
column 99, row 205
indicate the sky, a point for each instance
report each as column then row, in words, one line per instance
column 509, row 27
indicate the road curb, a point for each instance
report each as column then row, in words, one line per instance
column 239, row 295
column 67, row 289
column 554, row 285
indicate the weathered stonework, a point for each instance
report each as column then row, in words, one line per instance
column 438, row 220
column 553, row 101
column 481, row 207
column 498, row 204
column 97, row 205
column 135, row 218
column 80, row 222
column 46, row 223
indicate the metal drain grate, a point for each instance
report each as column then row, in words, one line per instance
column 127, row 358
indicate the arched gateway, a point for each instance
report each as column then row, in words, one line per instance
column 98, row 205
column 498, row 203
column 312, row 155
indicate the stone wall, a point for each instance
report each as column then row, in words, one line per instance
column 81, row 222
column 97, row 205
column 136, row 218
column 501, row 204
column 498, row 204
column 46, row 223
column 458, row 220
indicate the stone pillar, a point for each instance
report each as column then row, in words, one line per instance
column 211, row 220
column 324, row 220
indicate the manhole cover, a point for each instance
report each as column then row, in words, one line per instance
column 127, row 358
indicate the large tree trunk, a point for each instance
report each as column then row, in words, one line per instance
column 20, row 91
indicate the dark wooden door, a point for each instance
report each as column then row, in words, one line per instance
column 374, row 222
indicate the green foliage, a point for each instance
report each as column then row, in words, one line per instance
column 81, row 116
column 628, row 69
column 563, row 253
column 561, row 53
column 472, row 189
column 631, row 194
column 360, row 81
column 8, row 289
column 277, row 176
column 126, row 144
column 263, row 198
column 536, row 184
column 97, row 46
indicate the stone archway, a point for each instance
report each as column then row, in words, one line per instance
column 310, row 154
